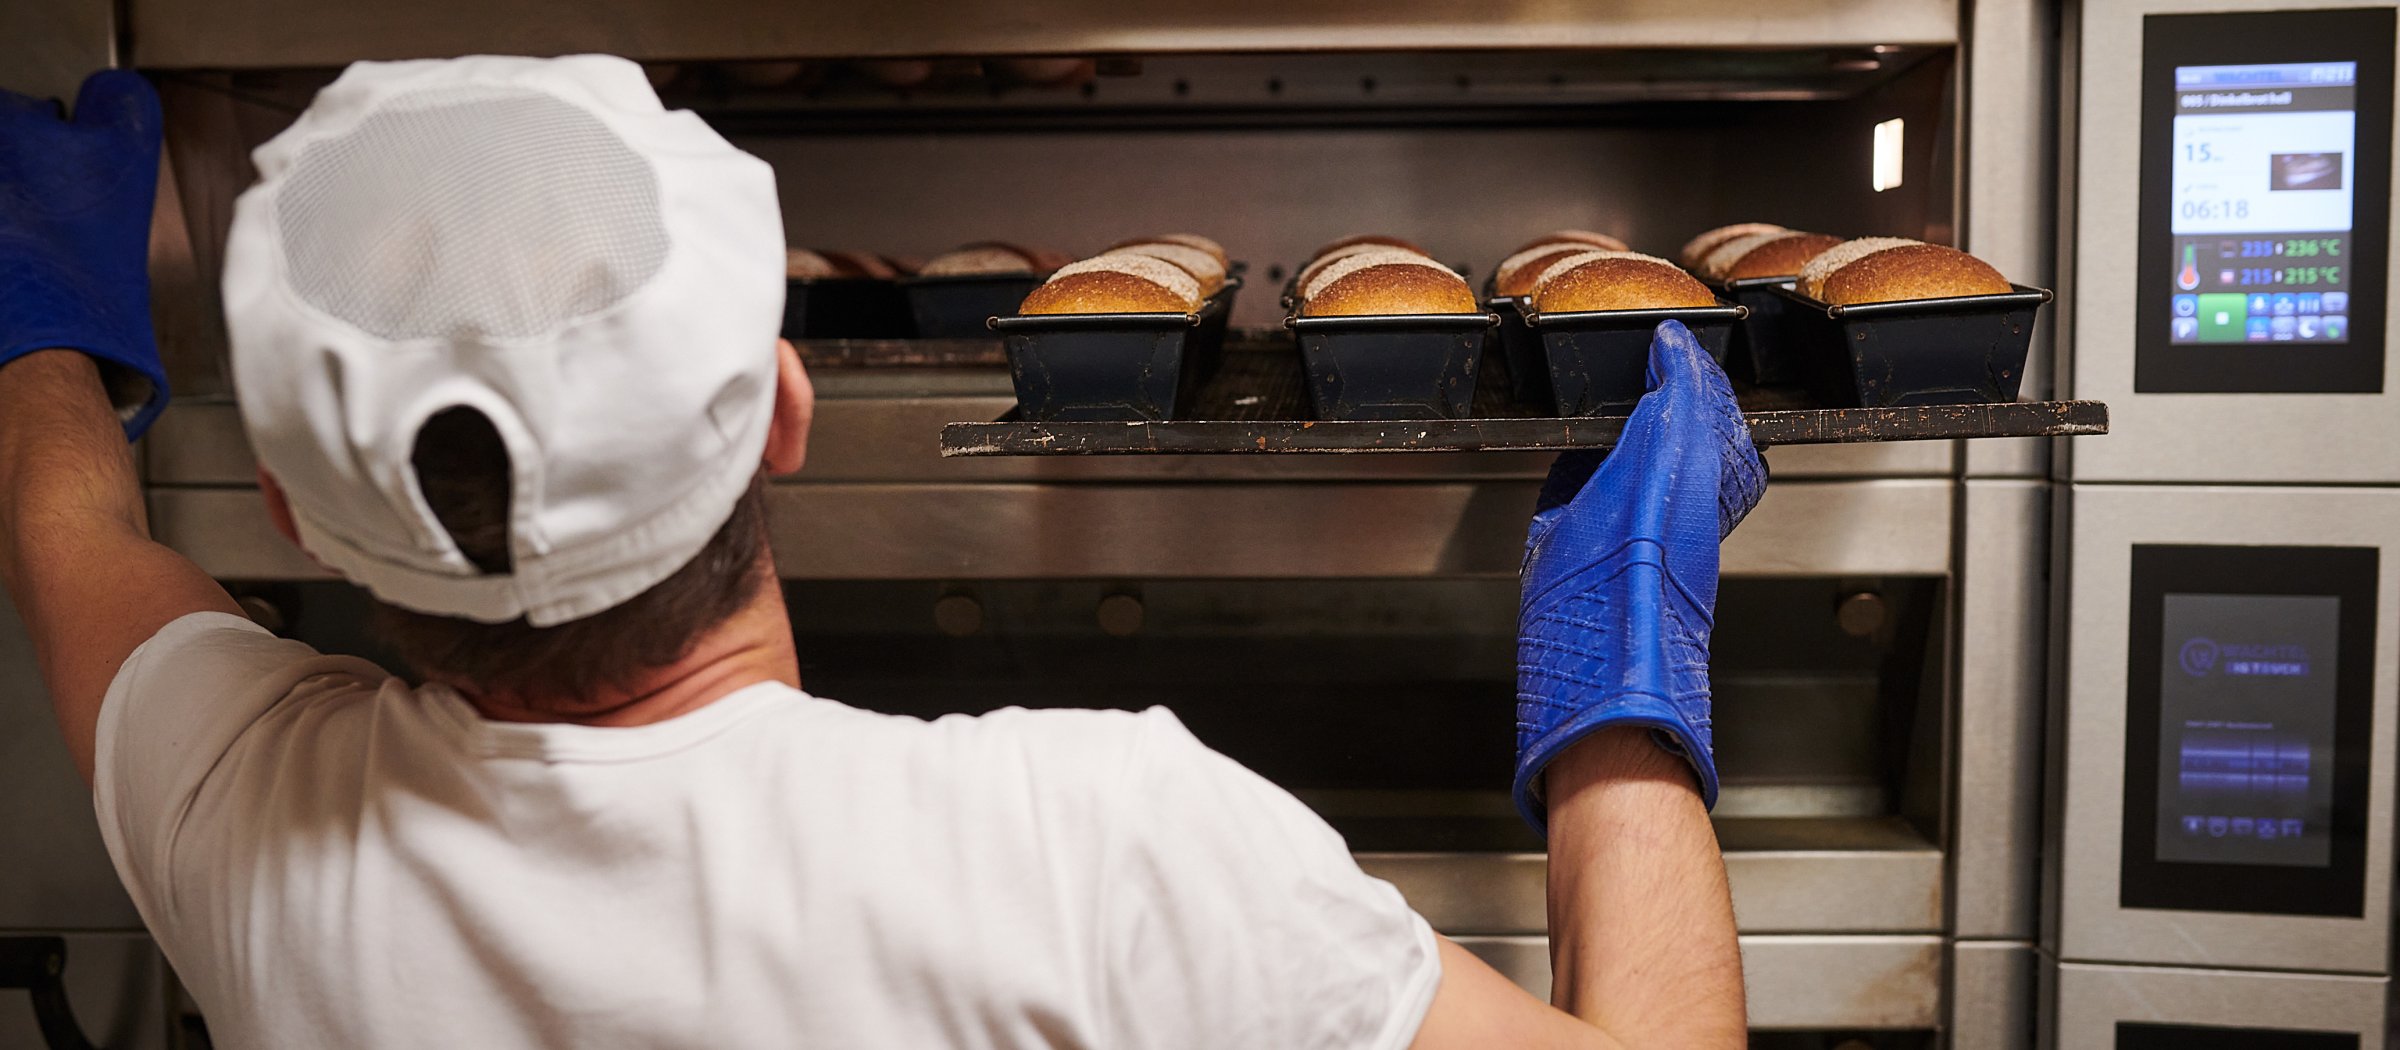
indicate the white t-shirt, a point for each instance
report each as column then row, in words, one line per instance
column 332, row 858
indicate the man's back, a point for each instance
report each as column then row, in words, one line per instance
column 333, row 858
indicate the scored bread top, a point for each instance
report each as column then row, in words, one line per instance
column 1399, row 286
column 1201, row 265
column 1516, row 275
column 1570, row 262
column 1329, row 247
column 1813, row 275
column 1309, row 272
column 988, row 257
column 1765, row 255
column 1193, row 240
column 1619, row 281
column 1593, row 238
column 800, row 264
column 1696, row 250
column 1150, row 268
column 1911, row 271
column 1341, row 266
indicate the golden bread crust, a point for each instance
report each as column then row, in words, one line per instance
column 1781, row 257
column 1103, row 292
column 1364, row 238
column 1392, row 288
column 1518, row 273
column 1695, row 251
column 1621, row 283
column 1912, row 271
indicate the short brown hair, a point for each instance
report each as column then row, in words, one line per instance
column 462, row 468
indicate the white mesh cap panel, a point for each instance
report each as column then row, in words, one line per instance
column 476, row 212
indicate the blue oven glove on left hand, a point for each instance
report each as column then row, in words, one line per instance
column 75, row 199
column 1620, row 578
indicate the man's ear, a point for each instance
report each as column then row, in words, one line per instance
column 795, row 407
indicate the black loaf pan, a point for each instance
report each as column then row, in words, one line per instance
column 955, row 306
column 1599, row 360
column 1964, row 350
column 846, row 308
column 1392, row 367
column 1764, row 351
column 1112, row 367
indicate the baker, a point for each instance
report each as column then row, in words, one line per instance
column 504, row 338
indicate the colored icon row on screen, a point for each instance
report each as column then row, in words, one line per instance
column 2244, row 827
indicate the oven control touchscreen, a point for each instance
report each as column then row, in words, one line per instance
column 2247, row 727
column 2266, row 156
column 2261, row 172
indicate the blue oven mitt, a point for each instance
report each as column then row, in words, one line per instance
column 75, row 198
column 1620, row 579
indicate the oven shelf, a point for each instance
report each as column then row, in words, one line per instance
column 1256, row 405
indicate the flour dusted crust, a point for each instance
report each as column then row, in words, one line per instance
column 1560, row 266
column 1344, row 265
column 1594, row 238
column 859, row 264
column 800, row 264
column 1695, row 251
column 1189, row 240
column 1363, row 238
column 1812, row 276
column 1202, row 266
column 990, row 257
column 1402, row 286
column 1515, row 274
column 1765, row 255
column 1619, row 281
column 1911, row 271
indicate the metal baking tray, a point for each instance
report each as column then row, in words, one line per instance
column 845, row 308
column 1967, row 349
column 955, row 306
column 1258, row 404
column 1121, row 366
column 1391, row 366
column 1599, row 360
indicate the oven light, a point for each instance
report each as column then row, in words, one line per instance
column 1887, row 155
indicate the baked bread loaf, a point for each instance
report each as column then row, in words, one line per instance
column 1363, row 238
column 991, row 257
column 1695, row 251
column 1593, row 238
column 1189, row 240
column 1777, row 254
column 1517, row 274
column 1202, row 266
column 1616, row 281
column 800, row 264
column 1890, row 269
column 1398, row 283
column 1349, row 260
column 1308, row 273
column 1116, row 283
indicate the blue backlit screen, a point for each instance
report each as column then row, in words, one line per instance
column 2246, row 728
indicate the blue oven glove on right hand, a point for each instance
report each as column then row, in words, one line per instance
column 1620, row 577
column 75, row 199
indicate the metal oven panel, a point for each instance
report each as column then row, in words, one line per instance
column 2150, row 1008
column 2238, row 900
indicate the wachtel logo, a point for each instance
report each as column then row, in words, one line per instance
column 2201, row 656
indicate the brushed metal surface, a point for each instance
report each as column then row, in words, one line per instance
column 117, row 985
column 2008, row 185
column 1992, row 995
column 252, row 33
column 2279, row 439
column 1792, row 982
column 1893, row 527
column 2092, row 999
column 1815, row 876
column 47, row 48
column 2107, row 522
column 1996, row 748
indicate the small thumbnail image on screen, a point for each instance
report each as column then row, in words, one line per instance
column 2305, row 171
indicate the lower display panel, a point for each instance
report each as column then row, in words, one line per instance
column 2112, row 1007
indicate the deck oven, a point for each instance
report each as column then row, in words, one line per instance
column 1882, row 642
column 2222, row 742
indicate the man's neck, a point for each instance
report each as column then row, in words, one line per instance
column 753, row 645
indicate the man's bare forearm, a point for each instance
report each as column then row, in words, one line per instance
column 1641, row 920
column 64, row 463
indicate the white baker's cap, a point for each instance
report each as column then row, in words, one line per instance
column 535, row 239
